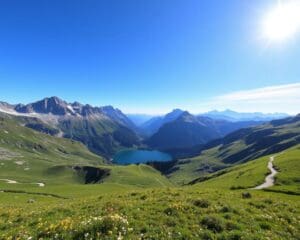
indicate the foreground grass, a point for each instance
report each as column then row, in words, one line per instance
column 170, row 213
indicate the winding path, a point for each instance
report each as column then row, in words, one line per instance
column 269, row 180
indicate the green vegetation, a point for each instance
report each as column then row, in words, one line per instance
column 238, row 147
column 288, row 165
column 31, row 157
column 136, row 201
column 101, row 136
column 253, row 173
column 169, row 213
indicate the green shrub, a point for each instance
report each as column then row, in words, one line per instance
column 225, row 209
column 201, row 203
column 246, row 195
column 268, row 201
column 231, row 226
column 265, row 226
column 171, row 211
column 144, row 197
column 235, row 236
column 206, row 236
column 212, row 223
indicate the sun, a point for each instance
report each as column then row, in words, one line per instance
column 282, row 21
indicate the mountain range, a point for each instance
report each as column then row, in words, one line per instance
column 222, row 162
column 103, row 129
column 187, row 130
column 244, row 116
column 106, row 130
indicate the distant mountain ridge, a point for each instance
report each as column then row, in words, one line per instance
column 106, row 129
column 59, row 107
column 243, row 116
column 152, row 125
column 188, row 130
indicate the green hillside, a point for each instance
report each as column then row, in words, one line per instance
column 136, row 201
column 30, row 157
column 238, row 147
column 102, row 136
column 253, row 173
column 26, row 154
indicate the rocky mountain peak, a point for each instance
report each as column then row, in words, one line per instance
column 53, row 105
column 173, row 115
column 186, row 117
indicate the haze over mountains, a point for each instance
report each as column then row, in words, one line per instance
column 236, row 116
column 142, row 119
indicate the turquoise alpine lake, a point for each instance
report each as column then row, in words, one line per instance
column 140, row 156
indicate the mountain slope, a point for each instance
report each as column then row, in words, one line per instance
column 28, row 157
column 103, row 129
column 253, row 173
column 185, row 131
column 151, row 126
column 27, row 154
column 238, row 147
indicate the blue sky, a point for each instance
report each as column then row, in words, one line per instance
column 147, row 56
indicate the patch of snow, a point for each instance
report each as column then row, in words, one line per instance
column 70, row 108
column 8, row 111
column 15, row 182
column 60, row 134
column 5, row 131
column 12, row 112
column 47, row 118
column 19, row 162
column 26, row 169
column 40, row 184
column 9, row 181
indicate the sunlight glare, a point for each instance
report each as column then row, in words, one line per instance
column 282, row 22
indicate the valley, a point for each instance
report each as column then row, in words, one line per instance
column 211, row 187
column 206, row 210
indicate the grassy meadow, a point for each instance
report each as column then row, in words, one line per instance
column 136, row 201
